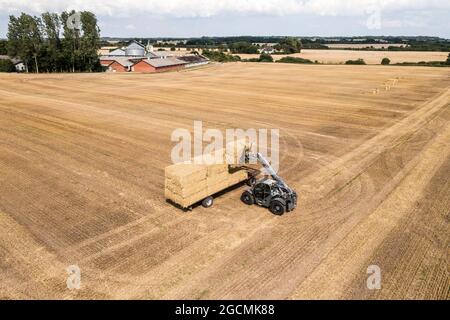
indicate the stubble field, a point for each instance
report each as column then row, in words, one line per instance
column 82, row 162
column 335, row 56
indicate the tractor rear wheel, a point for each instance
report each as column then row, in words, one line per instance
column 277, row 208
column 207, row 202
column 247, row 198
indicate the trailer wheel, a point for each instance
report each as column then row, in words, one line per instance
column 207, row 202
column 277, row 208
column 247, row 198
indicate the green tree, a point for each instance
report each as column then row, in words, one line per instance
column 25, row 39
column 289, row 45
column 34, row 38
column 222, row 47
column 243, row 47
column 385, row 61
column 52, row 48
column 3, row 47
column 16, row 41
column 264, row 57
column 6, row 66
column 220, row 56
column 90, row 42
column 358, row 61
column 37, row 41
column 295, row 60
column 70, row 43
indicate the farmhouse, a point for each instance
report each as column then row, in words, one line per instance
column 18, row 64
column 267, row 50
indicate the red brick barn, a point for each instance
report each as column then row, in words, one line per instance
column 158, row 65
column 117, row 64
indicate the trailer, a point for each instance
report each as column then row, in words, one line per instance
column 189, row 184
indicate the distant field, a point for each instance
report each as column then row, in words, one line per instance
column 363, row 45
column 82, row 160
column 371, row 57
column 177, row 52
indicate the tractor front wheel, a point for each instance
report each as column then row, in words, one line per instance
column 277, row 208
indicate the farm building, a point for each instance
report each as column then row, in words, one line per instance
column 116, row 53
column 117, row 64
column 194, row 60
column 135, row 49
column 267, row 50
column 19, row 65
column 158, row 65
column 138, row 58
column 106, row 50
column 162, row 54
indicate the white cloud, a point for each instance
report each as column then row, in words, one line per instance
column 209, row 8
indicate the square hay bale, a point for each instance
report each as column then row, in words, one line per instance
column 186, row 201
column 234, row 151
column 218, row 186
column 196, row 190
column 185, row 174
column 213, row 179
column 187, row 190
column 237, row 177
column 222, row 182
column 191, row 182
column 217, row 169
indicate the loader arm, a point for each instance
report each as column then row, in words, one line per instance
column 266, row 165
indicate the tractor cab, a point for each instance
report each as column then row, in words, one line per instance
column 263, row 191
column 272, row 193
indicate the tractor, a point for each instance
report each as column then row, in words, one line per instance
column 270, row 192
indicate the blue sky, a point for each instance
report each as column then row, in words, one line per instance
column 193, row 18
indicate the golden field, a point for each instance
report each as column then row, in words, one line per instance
column 82, row 160
column 334, row 56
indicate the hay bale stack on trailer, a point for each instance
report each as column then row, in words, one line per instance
column 190, row 183
column 187, row 184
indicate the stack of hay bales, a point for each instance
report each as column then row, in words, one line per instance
column 189, row 183
column 186, row 184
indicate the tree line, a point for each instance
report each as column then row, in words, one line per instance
column 66, row 42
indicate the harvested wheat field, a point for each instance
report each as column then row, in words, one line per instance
column 335, row 56
column 82, row 161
